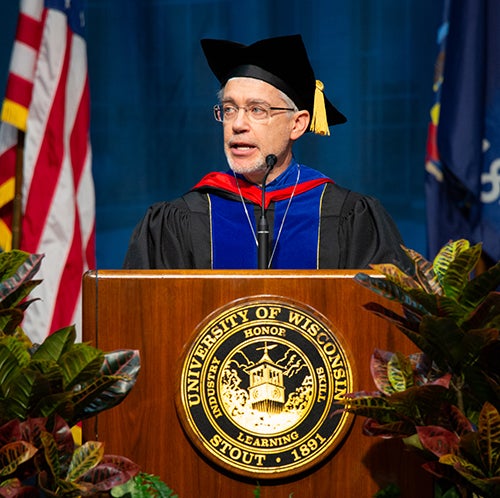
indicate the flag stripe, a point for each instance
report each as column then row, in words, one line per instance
column 29, row 30
column 19, row 90
column 78, row 136
column 8, row 140
column 67, row 296
column 33, row 9
column 46, row 168
column 58, row 190
column 78, row 118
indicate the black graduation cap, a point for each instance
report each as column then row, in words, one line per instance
column 282, row 62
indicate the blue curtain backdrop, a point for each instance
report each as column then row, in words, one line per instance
column 153, row 135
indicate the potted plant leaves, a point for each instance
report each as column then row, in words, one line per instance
column 47, row 389
column 444, row 400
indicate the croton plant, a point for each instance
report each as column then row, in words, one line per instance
column 443, row 400
column 47, row 389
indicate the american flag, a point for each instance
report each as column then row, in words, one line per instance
column 47, row 96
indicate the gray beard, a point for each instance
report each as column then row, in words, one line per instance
column 259, row 167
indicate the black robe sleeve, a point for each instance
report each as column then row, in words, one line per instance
column 356, row 231
column 368, row 234
column 172, row 235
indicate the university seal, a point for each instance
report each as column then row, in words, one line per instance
column 258, row 386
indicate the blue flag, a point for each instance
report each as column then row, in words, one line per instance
column 463, row 149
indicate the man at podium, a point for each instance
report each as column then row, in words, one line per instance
column 268, row 210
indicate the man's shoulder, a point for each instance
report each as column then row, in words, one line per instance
column 339, row 200
column 190, row 201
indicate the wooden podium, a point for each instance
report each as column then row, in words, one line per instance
column 157, row 313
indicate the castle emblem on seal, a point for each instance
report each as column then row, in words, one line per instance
column 258, row 387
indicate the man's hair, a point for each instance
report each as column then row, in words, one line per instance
column 288, row 101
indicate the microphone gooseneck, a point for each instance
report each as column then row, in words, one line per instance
column 263, row 227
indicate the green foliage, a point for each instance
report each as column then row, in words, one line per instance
column 45, row 389
column 62, row 377
column 445, row 399
column 444, row 490
column 143, row 486
column 391, row 491
column 44, row 451
column 17, row 270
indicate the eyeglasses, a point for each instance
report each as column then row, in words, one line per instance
column 256, row 112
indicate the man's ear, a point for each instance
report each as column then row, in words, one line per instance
column 300, row 124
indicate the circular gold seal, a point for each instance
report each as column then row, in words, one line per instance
column 258, row 386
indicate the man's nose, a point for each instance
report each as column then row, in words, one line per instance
column 241, row 119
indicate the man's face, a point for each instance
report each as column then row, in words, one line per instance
column 248, row 142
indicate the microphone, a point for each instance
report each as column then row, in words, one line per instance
column 271, row 160
column 263, row 227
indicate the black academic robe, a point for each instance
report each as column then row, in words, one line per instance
column 352, row 230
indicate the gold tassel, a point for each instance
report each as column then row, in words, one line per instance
column 319, row 122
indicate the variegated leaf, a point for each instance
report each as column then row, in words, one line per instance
column 13, row 356
column 450, row 307
column 458, row 421
column 481, row 285
column 10, row 319
column 409, row 328
column 85, row 458
column 56, row 344
column 489, row 438
column 466, row 469
column 440, row 470
column 446, row 255
column 96, row 397
column 63, row 437
column 420, row 404
column 51, row 453
column 397, row 429
column 123, row 366
column 80, row 365
column 396, row 275
column 31, row 429
column 438, row 440
column 18, row 301
column 426, row 301
column 16, row 267
column 20, row 394
column 375, row 407
column 112, row 471
column 59, row 487
column 378, row 368
column 121, row 463
column 443, row 381
column 424, row 272
column 427, row 372
column 388, row 290
column 383, row 312
column 15, row 488
column 400, row 372
column 10, row 431
column 458, row 273
column 103, row 477
column 122, row 362
column 14, row 454
column 457, row 461
column 413, row 440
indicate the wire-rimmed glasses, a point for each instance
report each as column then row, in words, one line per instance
column 255, row 112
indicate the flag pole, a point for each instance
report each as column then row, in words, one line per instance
column 17, row 206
